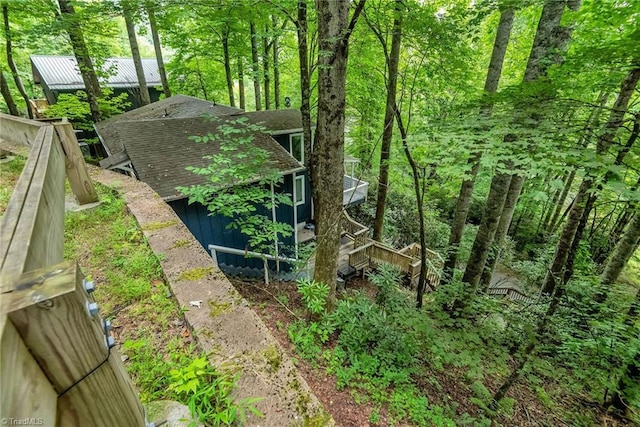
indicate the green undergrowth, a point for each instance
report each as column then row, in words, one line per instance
column 426, row 368
column 9, row 173
column 161, row 354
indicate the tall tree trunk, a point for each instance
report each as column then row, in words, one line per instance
column 487, row 230
column 203, row 87
column 241, row 84
column 557, row 271
column 158, row 49
column 265, row 68
column 127, row 12
column 549, row 210
column 513, row 194
column 592, row 123
column 255, row 67
column 227, row 65
column 80, row 51
column 465, row 196
column 8, row 98
column 333, row 31
column 560, row 203
column 276, row 67
column 11, row 62
column 619, row 258
column 550, row 36
column 305, row 98
column 568, row 270
column 419, row 193
column 392, row 60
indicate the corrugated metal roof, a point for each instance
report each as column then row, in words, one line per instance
column 62, row 72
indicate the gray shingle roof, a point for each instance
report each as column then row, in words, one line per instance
column 177, row 106
column 275, row 121
column 62, row 72
column 160, row 151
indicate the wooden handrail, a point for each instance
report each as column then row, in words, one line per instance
column 58, row 365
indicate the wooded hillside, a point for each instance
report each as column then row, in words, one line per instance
column 501, row 133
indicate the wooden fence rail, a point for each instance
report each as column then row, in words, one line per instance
column 57, row 362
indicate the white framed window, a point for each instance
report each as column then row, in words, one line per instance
column 299, row 190
column 296, row 146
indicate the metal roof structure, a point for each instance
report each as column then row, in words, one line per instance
column 62, row 72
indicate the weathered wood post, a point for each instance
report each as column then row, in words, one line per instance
column 53, row 311
column 58, row 363
column 77, row 174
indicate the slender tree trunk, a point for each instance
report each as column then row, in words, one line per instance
column 592, row 122
column 550, row 43
column 276, row 67
column 560, row 202
column 241, row 84
column 227, row 65
column 513, row 194
column 393, row 60
column 333, row 31
column 88, row 73
column 487, row 230
column 568, row 270
column 553, row 203
column 466, row 189
column 203, row 87
column 127, row 11
column 158, row 49
column 305, row 99
column 11, row 62
column 619, row 258
column 419, row 193
column 266, row 50
column 557, row 271
column 255, row 67
column 8, row 98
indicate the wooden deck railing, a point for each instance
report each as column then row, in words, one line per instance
column 57, row 362
column 358, row 233
column 367, row 252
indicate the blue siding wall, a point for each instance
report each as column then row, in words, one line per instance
column 212, row 229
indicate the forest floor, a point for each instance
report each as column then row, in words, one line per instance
column 279, row 305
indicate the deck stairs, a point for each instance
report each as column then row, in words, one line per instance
column 367, row 253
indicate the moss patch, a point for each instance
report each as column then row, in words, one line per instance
column 180, row 243
column 273, row 356
column 217, row 308
column 195, row 274
column 320, row 419
column 159, row 225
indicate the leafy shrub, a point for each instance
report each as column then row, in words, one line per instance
column 208, row 394
column 314, row 295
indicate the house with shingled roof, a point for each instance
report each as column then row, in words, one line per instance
column 153, row 144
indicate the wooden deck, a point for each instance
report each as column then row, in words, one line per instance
column 358, row 253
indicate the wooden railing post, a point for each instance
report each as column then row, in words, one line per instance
column 25, row 392
column 77, row 174
column 58, row 321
